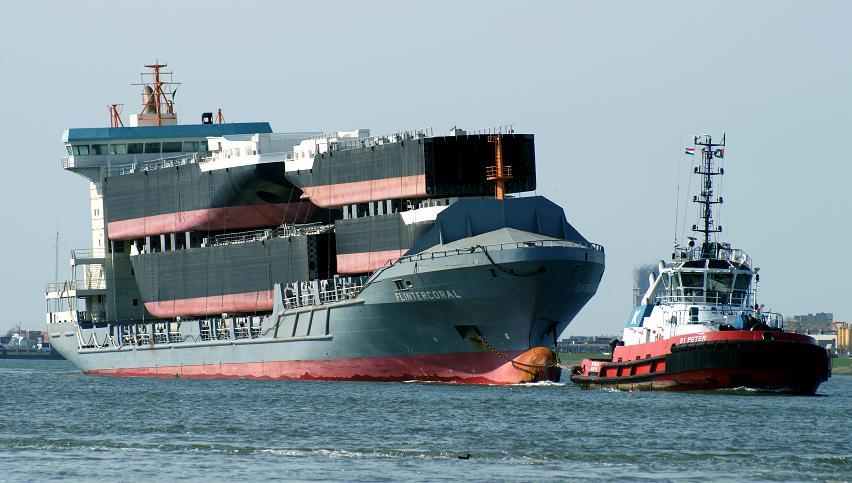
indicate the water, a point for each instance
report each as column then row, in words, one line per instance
column 56, row 423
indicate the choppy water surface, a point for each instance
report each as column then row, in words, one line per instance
column 56, row 423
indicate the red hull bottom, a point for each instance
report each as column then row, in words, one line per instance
column 534, row 365
column 717, row 360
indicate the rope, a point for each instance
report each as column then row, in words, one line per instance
column 516, row 364
column 508, row 271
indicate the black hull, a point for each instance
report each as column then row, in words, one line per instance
column 416, row 168
column 772, row 365
column 365, row 244
column 231, row 278
column 184, row 198
column 29, row 355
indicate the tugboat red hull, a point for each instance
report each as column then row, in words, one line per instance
column 766, row 360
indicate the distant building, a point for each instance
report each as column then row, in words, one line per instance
column 827, row 342
column 598, row 344
column 819, row 317
column 818, row 323
column 844, row 334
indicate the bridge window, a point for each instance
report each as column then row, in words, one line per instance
column 190, row 146
column 134, row 148
column 68, row 147
column 172, row 147
column 741, row 285
column 81, row 150
column 719, row 287
column 693, row 284
column 692, row 279
column 118, row 149
column 152, row 148
column 742, row 282
column 720, row 282
column 99, row 149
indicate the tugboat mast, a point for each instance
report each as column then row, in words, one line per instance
column 709, row 151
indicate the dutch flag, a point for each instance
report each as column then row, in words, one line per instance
column 690, row 151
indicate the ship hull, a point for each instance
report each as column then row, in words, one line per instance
column 534, row 365
column 463, row 321
column 773, row 361
column 185, row 198
column 30, row 355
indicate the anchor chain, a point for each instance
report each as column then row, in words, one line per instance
column 502, row 355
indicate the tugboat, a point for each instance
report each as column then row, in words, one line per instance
column 699, row 327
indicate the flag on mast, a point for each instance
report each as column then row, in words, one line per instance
column 690, row 151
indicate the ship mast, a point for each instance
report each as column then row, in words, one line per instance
column 498, row 173
column 709, row 151
column 158, row 97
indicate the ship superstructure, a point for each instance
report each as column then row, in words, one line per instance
column 225, row 249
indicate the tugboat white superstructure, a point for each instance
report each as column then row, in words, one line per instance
column 699, row 326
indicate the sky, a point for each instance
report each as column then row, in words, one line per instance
column 613, row 92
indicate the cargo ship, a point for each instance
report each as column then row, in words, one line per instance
column 228, row 250
column 26, row 344
column 699, row 326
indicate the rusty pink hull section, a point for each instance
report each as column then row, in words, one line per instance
column 216, row 219
column 350, row 263
column 214, row 304
column 534, row 365
column 335, row 195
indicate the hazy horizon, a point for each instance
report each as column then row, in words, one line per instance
column 612, row 91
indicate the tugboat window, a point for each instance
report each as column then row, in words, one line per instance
column 742, row 282
column 719, row 287
column 692, row 279
column 693, row 284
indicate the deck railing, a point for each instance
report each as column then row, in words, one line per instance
column 166, row 162
column 282, row 231
column 734, row 255
column 98, row 283
column 357, row 143
column 88, row 253
column 496, row 247
column 331, row 290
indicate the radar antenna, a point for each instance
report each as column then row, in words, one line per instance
column 158, row 97
column 709, row 151
column 115, row 115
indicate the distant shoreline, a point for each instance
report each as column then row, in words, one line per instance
column 841, row 366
